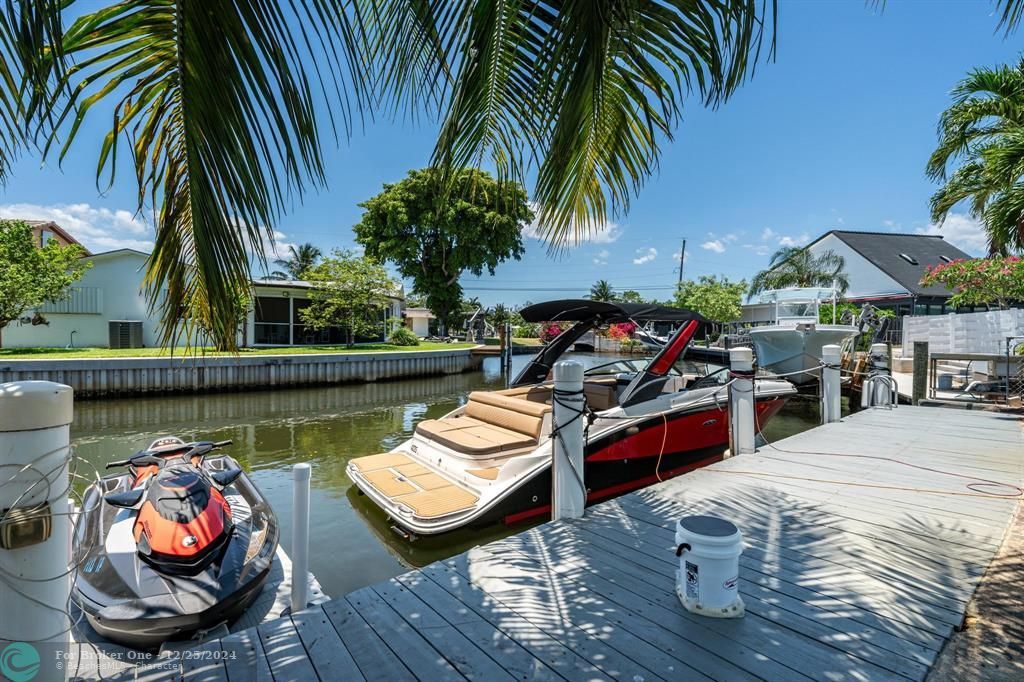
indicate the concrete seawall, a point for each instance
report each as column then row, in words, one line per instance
column 97, row 378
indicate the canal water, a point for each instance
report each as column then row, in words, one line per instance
column 351, row 544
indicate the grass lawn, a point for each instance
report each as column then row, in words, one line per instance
column 85, row 353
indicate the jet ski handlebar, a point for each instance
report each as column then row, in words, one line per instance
column 155, row 457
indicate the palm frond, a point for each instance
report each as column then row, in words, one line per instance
column 583, row 92
column 218, row 105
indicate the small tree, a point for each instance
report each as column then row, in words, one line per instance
column 499, row 316
column 433, row 232
column 300, row 260
column 980, row 281
column 796, row 266
column 350, row 291
column 631, row 296
column 30, row 275
column 602, row 291
column 716, row 299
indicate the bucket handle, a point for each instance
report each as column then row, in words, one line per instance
column 681, row 548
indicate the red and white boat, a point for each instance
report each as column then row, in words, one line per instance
column 490, row 460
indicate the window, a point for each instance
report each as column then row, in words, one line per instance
column 909, row 259
column 945, row 259
column 45, row 236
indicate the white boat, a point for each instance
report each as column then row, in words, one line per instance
column 792, row 345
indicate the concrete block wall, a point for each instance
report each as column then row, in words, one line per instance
column 968, row 333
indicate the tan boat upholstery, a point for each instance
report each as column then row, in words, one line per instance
column 389, row 482
column 403, row 481
column 491, row 423
column 382, row 461
column 433, row 503
column 489, row 474
column 600, row 394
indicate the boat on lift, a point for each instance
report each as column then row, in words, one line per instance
column 490, row 460
column 791, row 345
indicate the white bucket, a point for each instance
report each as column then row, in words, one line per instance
column 709, row 551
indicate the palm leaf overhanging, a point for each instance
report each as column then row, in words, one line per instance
column 984, row 130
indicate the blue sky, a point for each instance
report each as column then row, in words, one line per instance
column 833, row 134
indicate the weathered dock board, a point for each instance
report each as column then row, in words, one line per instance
column 864, row 542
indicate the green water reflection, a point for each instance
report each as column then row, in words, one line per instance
column 350, row 543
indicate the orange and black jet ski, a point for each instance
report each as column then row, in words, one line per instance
column 180, row 543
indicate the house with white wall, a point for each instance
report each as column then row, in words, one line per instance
column 885, row 270
column 108, row 308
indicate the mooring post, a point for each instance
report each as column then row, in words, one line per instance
column 882, row 393
column 300, row 536
column 569, row 493
column 741, row 401
column 35, row 542
column 831, row 387
column 920, row 372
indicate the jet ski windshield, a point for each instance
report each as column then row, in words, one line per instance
column 179, row 494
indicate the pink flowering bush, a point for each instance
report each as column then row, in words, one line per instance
column 980, row 281
column 621, row 331
column 549, row 331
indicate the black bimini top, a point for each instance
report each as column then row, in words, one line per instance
column 581, row 309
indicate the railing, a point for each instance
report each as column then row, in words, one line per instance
column 990, row 378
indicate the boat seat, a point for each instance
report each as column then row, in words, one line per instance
column 401, row 480
column 491, row 423
column 601, row 395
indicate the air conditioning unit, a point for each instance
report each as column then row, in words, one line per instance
column 125, row 333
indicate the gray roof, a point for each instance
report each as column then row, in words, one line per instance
column 884, row 249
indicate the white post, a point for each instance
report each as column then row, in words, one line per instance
column 568, row 494
column 300, row 536
column 741, row 402
column 831, row 406
column 879, row 362
column 35, row 555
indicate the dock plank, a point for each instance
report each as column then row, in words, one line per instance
column 854, row 568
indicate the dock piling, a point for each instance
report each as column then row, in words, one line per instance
column 300, row 536
column 920, row 372
column 741, row 401
column 569, row 494
column 35, row 546
column 831, row 397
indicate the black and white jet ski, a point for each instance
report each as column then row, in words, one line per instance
column 180, row 543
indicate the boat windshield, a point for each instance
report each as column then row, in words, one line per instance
column 682, row 367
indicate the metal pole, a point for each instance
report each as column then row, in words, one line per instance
column 35, row 551
column 741, row 402
column 682, row 259
column 920, row 371
column 568, row 497
column 831, row 399
column 300, row 536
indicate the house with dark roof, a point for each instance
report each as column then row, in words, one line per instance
column 45, row 230
column 885, row 269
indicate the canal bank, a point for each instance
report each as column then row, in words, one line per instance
column 118, row 377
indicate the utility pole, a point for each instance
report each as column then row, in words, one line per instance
column 682, row 256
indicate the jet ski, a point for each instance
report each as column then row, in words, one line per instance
column 180, row 543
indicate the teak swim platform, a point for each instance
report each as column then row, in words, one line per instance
column 864, row 542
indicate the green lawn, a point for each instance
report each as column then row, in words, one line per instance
column 75, row 353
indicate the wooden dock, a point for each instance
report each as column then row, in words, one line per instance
column 864, row 541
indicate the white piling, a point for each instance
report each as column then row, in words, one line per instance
column 831, row 398
column 741, row 402
column 35, row 421
column 568, row 494
column 300, row 536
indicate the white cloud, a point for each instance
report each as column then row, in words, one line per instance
column 716, row 245
column 645, row 255
column 767, row 234
column 602, row 257
column 604, row 234
column 730, row 237
column 99, row 229
column 794, row 241
column 759, row 249
column 960, row 230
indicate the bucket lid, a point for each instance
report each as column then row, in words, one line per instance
column 708, row 526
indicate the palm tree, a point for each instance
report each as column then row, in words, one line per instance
column 221, row 103
column 795, row 266
column 984, row 129
column 300, row 261
column 601, row 291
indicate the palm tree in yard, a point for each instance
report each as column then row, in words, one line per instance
column 300, row 260
column 220, row 108
column 601, row 291
column 983, row 130
column 795, row 266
